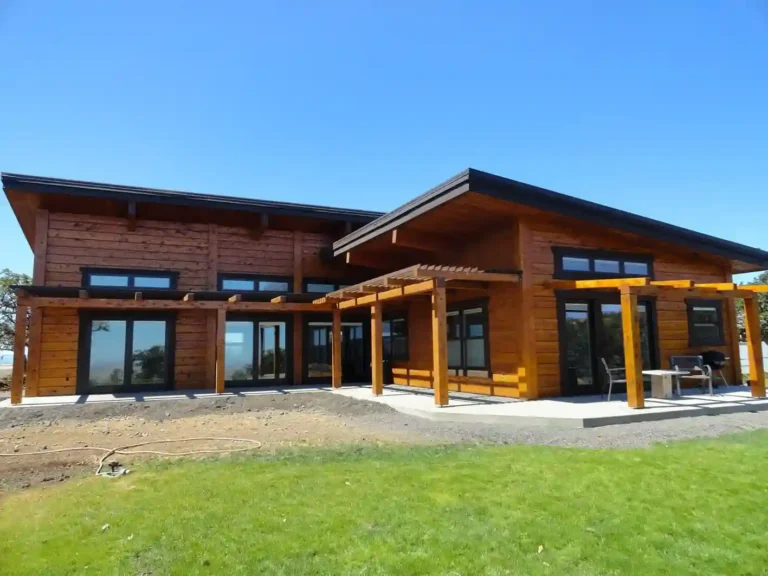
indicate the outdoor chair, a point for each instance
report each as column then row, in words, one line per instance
column 615, row 375
column 697, row 369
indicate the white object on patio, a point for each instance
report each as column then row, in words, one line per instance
column 661, row 382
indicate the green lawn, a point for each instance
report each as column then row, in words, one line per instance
column 690, row 508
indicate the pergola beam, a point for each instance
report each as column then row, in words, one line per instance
column 411, row 290
column 377, row 351
column 439, row 343
column 336, row 349
column 633, row 361
column 754, row 347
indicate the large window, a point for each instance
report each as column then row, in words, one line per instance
column 249, row 283
column 123, row 352
column 114, row 278
column 468, row 341
column 255, row 351
column 574, row 263
column 395, row 336
column 705, row 323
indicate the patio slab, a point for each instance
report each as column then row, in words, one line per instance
column 575, row 412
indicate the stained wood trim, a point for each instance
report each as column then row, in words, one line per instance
column 34, row 350
column 528, row 387
column 41, row 247
column 221, row 328
column 336, row 350
column 211, row 340
column 109, row 303
column 440, row 343
column 633, row 360
column 19, row 341
column 298, row 324
column 377, row 351
column 213, row 257
column 754, row 347
column 733, row 333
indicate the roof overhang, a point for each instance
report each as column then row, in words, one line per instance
column 505, row 189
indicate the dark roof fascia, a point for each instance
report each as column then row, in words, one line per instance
column 44, row 185
column 550, row 201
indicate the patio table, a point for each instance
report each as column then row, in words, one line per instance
column 661, row 382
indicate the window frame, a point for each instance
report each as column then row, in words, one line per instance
column 407, row 355
column 695, row 339
column 464, row 369
column 131, row 273
column 560, row 252
column 87, row 317
column 255, row 278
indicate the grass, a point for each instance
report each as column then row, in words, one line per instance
column 689, row 508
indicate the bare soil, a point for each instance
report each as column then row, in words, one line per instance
column 277, row 421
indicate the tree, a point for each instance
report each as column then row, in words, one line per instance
column 762, row 304
column 8, row 306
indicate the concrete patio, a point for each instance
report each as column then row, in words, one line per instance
column 573, row 412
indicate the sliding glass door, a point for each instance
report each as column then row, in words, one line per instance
column 355, row 363
column 255, row 351
column 591, row 332
column 125, row 352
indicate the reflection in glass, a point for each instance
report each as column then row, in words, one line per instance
column 108, row 280
column 578, row 345
column 148, row 352
column 319, row 361
column 575, row 264
column 272, row 363
column 453, row 320
column 238, row 351
column 607, row 266
column 271, row 286
column 320, row 288
column 151, row 282
column 636, row 268
column 107, row 362
column 232, row 284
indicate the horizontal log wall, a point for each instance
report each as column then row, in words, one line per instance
column 77, row 241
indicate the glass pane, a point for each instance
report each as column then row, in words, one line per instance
column 454, row 353
column 148, row 352
column 238, row 348
column 107, row 362
column 386, row 329
column 636, row 268
column 705, row 315
column 607, row 266
column 613, row 335
column 476, row 353
column 109, row 280
column 399, row 327
column 320, row 288
column 272, row 361
column 453, row 326
column 578, row 345
column 575, row 264
column 270, row 286
column 645, row 336
column 399, row 348
column 232, row 284
column 707, row 332
column 319, row 361
column 151, row 282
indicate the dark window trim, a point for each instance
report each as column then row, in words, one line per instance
column 131, row 273
column 460, row 307
column 255, row 278
column 351, row 317
column 255, row 319
column 695, row 339
column 86, row 317
column 560, row 252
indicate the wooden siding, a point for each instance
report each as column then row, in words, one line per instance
column 198, row 252
column 671, row 308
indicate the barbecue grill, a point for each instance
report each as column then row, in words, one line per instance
column 716, row 360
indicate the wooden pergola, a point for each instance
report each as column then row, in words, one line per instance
column 631, row 288
column 419, row 279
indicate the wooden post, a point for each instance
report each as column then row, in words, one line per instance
column 439, row 343
column 754, row 346
column 298, row 287
column 529, row 384
column 35, row 340
column 221, row 330
column 377, row 352
column 210, row 315
column 633, row 359
column 336, row 349
column 20, row 339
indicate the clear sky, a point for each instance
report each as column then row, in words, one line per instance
column 659, row 108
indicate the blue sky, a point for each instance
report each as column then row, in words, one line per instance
column 654, row 107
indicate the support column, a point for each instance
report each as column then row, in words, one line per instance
column 336, row 349
column 633, row 360
column 298, row 324
column 439, row 343
column 377, row 352
column 754, row 346
column 221, row 330
column 20, row 339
